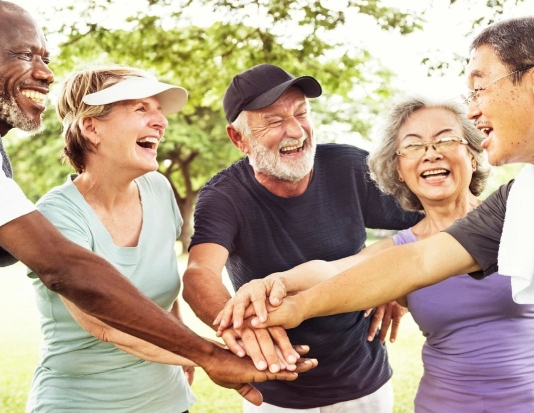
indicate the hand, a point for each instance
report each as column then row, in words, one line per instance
column 287, row 315
column 228, row 370
column 267, row 347
column 256, row 293
column 189, row 372
column 385, row 316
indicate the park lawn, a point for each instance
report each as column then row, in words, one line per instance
column 20, row 337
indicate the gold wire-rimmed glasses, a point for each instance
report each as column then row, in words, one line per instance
column 417, row 149
column 473, row 94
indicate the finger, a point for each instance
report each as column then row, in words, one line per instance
column 224, row 318
column 305, row 364
column 283, row 364
column 281, row 339
column 267, row 347
column 229, row 338
column 260, row 308
column 253, row 349
column 367, row 312
column 277, row 294
column 386, row 323
column 301, row 349
column 394, row 330
column 375, row 323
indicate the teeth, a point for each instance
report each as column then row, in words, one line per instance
column 435, row 172
column 291, row 148
column 150, row 139
column 34, row 95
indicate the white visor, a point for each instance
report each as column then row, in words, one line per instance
column 171, row 98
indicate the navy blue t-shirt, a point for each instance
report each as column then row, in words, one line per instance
column 264, row 233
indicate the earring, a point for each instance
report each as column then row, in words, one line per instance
column 95, row 144
column 474, row 166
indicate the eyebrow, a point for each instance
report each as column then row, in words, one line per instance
column 278, row 115
column 475, row 74
column 415, row 135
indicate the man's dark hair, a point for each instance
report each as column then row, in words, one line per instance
column 513, row 43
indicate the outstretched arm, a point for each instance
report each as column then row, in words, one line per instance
column 276, row 286
column 99, row 290
column 126, row 342
column 380, row 279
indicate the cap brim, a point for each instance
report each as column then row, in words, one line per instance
column 171, row 98
column 309, row 86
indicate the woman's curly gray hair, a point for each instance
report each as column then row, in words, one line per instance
column 383, row 159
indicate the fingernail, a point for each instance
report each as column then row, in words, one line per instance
column 276, row 301
column 261, row 365
column 241, row 353
column 369, row 338
column 292, row 359
column 274, row 368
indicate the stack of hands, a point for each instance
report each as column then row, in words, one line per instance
column 253, row 323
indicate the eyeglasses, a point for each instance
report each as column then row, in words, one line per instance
column 417, row 149
column 473, row 94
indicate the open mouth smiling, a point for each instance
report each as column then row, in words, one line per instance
column 435, row 174
column 148, row 142
column 288, row 150
column 37, row 97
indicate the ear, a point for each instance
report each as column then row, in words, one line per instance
column 89, row 131
column 237, row 138
column 401, row 178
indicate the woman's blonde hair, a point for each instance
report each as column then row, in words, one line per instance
column 71, row 110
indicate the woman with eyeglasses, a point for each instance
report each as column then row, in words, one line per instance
column 478, row 355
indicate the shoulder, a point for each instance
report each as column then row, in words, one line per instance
column 235, row 176
column 342, row 155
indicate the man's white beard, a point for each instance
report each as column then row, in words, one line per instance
column 12, row 115
column 271, row 163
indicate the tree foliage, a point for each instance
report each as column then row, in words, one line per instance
column 202, row 54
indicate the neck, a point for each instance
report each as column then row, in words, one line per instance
column 441, row 215
column 106, row 192
column 284, row 189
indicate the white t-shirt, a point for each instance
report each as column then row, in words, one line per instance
column 13, row 202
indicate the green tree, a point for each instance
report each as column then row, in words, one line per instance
column 203, row 59
column 165, row 37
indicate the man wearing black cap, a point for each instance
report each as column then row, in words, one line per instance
column 89, row 281
column 290, row 201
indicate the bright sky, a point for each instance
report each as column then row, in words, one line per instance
column 443, row 36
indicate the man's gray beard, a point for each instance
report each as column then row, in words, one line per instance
column 12, row 115
column 271, row 163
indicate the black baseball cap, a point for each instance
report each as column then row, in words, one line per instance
column 261, row 86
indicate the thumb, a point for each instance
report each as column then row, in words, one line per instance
column 250, row 393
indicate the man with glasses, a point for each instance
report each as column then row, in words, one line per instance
column 497, row 235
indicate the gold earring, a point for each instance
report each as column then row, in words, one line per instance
column 474, row 167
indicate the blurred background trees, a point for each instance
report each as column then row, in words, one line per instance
column 201, row 45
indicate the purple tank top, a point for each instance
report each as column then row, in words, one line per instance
column 479, row 350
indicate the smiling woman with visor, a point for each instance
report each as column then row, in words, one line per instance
column 118, row 206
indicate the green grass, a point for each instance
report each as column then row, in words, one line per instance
column 20, row 336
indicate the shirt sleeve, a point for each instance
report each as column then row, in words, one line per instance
column 480, row 231
column 215, row 219
column 13, row 202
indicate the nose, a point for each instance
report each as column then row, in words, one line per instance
column 293, row 128
column 431, row 154
column 159, row 121
column 41, row 71
column 472, row 111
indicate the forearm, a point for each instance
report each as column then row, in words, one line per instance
column 205, row 293
column 388, row 275
column 96, row 287
column 311, row 273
